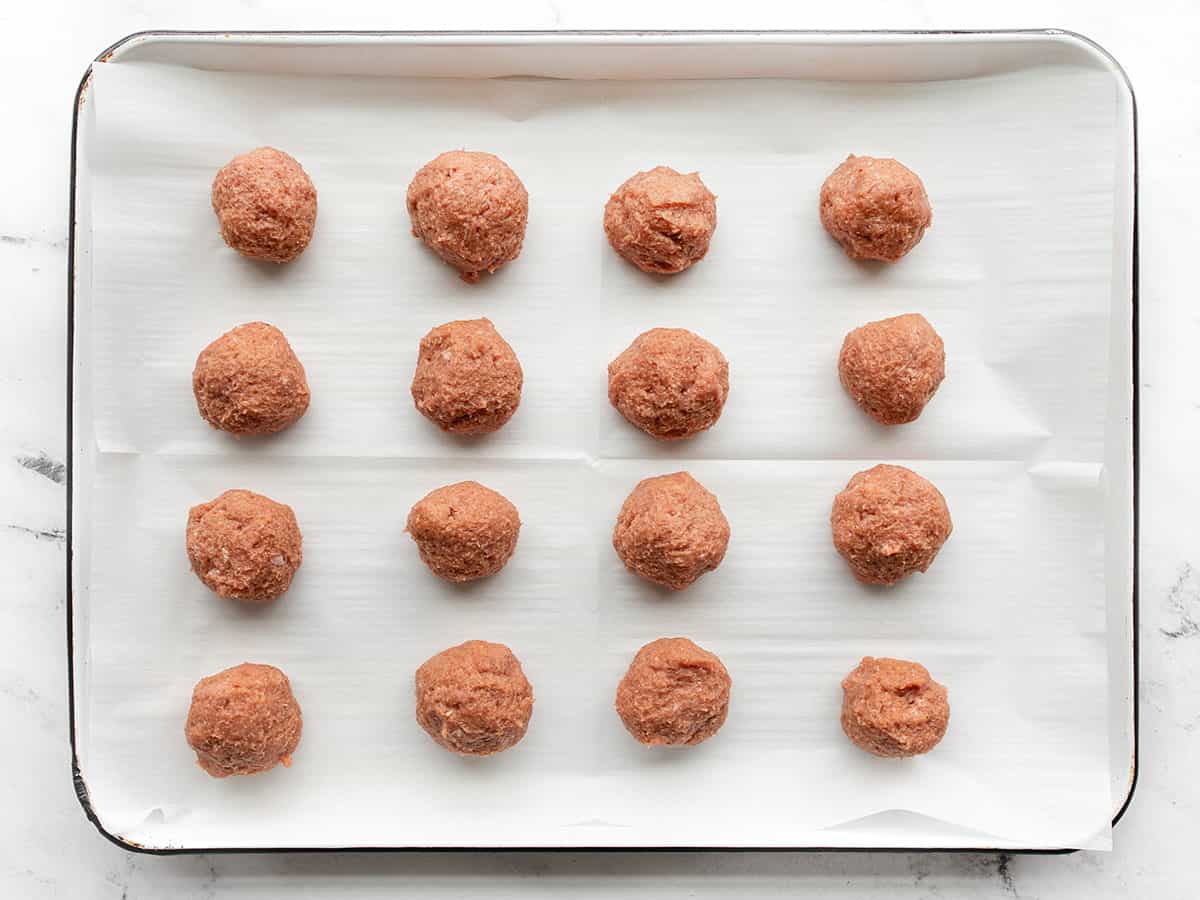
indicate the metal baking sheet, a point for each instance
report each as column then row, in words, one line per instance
column 1028, row 273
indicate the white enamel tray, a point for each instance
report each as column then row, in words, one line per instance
column 1026, row 141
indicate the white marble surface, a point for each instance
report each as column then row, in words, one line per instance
column 48, row 849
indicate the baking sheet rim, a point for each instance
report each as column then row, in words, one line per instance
column 165, row 36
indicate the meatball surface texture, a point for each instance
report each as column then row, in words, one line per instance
column 468, row 379
column 266, row 205
column 893, row 367
column 470, row 209
column 474, row 699
column 661, row 221
column 670, row 383
column 249, row 382
column 243, row 721
column 674, row 694
column 671, row 530
column 244, row 546
column 892, row 707
column 464, row 531
column 875, row 208
column 888, row 523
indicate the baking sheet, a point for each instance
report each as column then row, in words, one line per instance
column 1015, row 274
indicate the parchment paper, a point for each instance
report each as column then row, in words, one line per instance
column 1015, row 275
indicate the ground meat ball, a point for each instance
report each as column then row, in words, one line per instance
column 892, row 368
column 891, row 707
column 875, row 208
column 670, row 383
column 464, row 531
column 474, row 699
column 674, row 694
column 248, row 381
column 888, row 523
column 661, row 220
column 266, row 204
column 470, row 209
column 671, row 531
column 468, row 379
column 244, row 546
column 243, row 721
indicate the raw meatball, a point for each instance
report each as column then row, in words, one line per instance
column 243, row 721
column 875, row 208
column 671, row 531
column 661, row 220
column 893, row 367
column 464, row 531
column 470, row 209
column 891, row 707
column 674, row 693
column 244, row 546
column 474, row 699
column 248, row 381
column 888, row 523
column 670, row 383
column 468, row 379
column 266, row 204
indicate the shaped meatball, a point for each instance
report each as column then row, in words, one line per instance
column 474, row 699
column 244, row 546
column 888, row 523
column 875, row 208
column 670, row 383
column 468, row 379
column 470, row 209
column 892, row 707
column 671, row 531
column 891, row 368
column 243, row 721
column 464, row 531
column 249, row 381
column 674, row 694
column 661, row 220
column 266, row 205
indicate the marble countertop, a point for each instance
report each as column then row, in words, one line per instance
column 48, row 849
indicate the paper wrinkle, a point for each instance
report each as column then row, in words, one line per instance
column 867, row 823
column 1014, row 274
